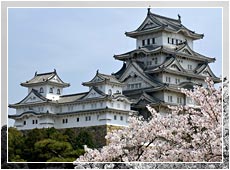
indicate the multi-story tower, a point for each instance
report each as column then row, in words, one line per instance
column 163, row 61
column 45, row 105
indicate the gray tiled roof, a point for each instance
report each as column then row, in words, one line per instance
column 71, row 97
column 103, row 77
column 152, row 49
column 44, row 78
column 162, row 23
column 36, row 94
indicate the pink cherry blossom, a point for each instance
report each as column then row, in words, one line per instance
column 187, row 134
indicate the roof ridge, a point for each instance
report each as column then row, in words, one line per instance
column 42, row 74
column 74, row 94
column 160, row 16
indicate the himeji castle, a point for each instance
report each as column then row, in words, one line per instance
column 162, row 62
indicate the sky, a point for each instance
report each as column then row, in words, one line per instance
column 78, row 41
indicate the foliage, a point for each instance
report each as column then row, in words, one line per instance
column 46, row 145
column 188, row 134
column 84, row 138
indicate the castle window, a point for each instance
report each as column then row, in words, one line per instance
column 110, row 92
column 78, row 119
column 179, row 100
column 156, row 60
column 153, row 41
column 36, row 121
column 51, row 90
column 33, row 121
column 64, row 121
column 168, row 79
column 169, row 98
column 143, row 42
column 181, row 61
column 177, row 41
column 58, row 91
column 24, row 123
column 148, row 41
column 121, row 118
column 170, row 40
column 177, row 80
column 93, row 105
column 149, row 63
column 189, row 67
column 41, row 90
column 87, row 118
column 115, row 117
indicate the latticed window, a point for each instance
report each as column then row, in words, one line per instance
column 168, row 79
column 179, row 100
column 169, row 98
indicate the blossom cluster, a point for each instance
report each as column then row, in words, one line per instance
column 187, row 134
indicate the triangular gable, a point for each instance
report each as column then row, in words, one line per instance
column 143, row 102
column 55, row 79
column 207, row 72
column 97, row 79
column 149, row 23
column 94, row 93
column 33, row 97
column 146, row 99
column 186, row 50
column 175, row 65
column 134, row 70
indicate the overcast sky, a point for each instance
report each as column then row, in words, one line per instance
column 78, row 41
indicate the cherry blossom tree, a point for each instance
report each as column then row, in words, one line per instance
column 187, row 134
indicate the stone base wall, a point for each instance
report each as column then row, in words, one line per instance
column 98, row 133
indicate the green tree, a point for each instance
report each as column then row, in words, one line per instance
column 84, row 138
column 48, row 149
column 15, row 145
